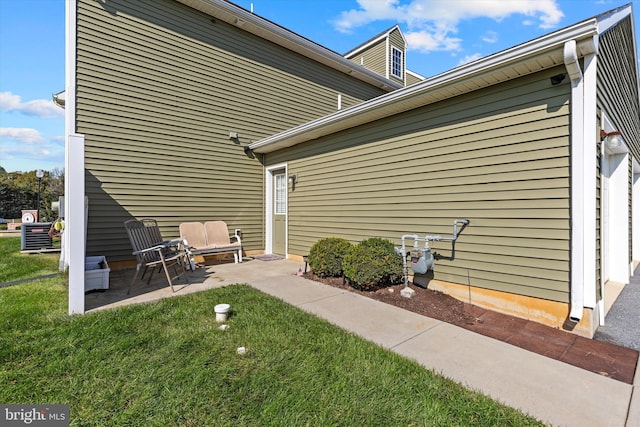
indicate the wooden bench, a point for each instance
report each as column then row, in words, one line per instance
column 210, row 238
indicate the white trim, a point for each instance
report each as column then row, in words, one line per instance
column 268, row 204
column 402, row 73
column 387, row 61
column 606, row 22
column 377, row 39
column 577, row 184
column 75, row 222
column 414, row 74
column 635, row 221
column 590, row 179
column 615, row 201
column 75, row 219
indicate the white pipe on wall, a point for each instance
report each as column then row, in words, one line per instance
column 577, row 140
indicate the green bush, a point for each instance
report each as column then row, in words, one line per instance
column 326, row 255
column 372, row 264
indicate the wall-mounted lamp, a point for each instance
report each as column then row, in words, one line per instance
column 293, row 178
column 557, row 79
column 613, row 141
column 233, row 135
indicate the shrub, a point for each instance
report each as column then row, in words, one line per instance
column 326, row 255
column 373, row 264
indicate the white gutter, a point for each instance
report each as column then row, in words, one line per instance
column 577, row 187
column 423, row 92
column 583, row 185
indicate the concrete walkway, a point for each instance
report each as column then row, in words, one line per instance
column 552, row 391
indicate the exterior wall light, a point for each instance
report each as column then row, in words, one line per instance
column 613, row 141
column 293, row 178
column 233, row 135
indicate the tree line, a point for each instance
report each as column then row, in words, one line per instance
column 19, row 190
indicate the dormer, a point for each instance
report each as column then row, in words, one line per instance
column 384, row 54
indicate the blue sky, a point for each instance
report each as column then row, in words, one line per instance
column 441, row 35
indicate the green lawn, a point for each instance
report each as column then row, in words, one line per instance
column 168, row 364
column 15, row 266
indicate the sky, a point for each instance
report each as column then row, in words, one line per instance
column 441, row 34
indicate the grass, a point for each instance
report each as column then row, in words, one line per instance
column 16, row 266
column 168, row 363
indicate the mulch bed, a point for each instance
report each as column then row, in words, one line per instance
column 602, row 358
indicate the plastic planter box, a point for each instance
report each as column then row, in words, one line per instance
column 96, row 273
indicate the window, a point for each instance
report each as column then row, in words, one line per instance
column 281, row 194
column 396, row 62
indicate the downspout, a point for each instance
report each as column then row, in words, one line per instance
column 577, row 140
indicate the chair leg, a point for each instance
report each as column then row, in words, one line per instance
column 166, row 272
column 135, row 276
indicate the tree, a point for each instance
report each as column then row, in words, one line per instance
column 19, row 191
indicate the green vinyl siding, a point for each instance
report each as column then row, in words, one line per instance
column 396, row 40
column 159, row 88
column 498, row 156
column 617, row 94
column 373, row 58
column 411, row 79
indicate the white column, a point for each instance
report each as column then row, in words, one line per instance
column 75, row 223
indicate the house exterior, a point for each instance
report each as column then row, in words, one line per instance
column 161, row 99
column 524, row 144
column 386, row 54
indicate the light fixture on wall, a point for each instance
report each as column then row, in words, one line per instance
column 293, row 178
column 613, row 141
column 557, row 79
column 233, row 135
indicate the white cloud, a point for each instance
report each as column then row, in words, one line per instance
column 425, row 41
column 469, row 58
column 38, row 107
column 432, row 23
column 490, row 37
column 27, row 149
column 22, row 135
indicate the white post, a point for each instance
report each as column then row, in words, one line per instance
column 75, row 229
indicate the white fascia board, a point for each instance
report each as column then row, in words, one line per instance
column 609, row 20
column 254, row 24
column 372, row 42
column 416, row 75
column 392, row 103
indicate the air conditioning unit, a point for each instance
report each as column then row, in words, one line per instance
column 35, row 236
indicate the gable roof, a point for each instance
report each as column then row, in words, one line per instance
column 261, row 27
column 375, row 39
column 530, row 57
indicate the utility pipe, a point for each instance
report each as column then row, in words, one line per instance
column 426, row 239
